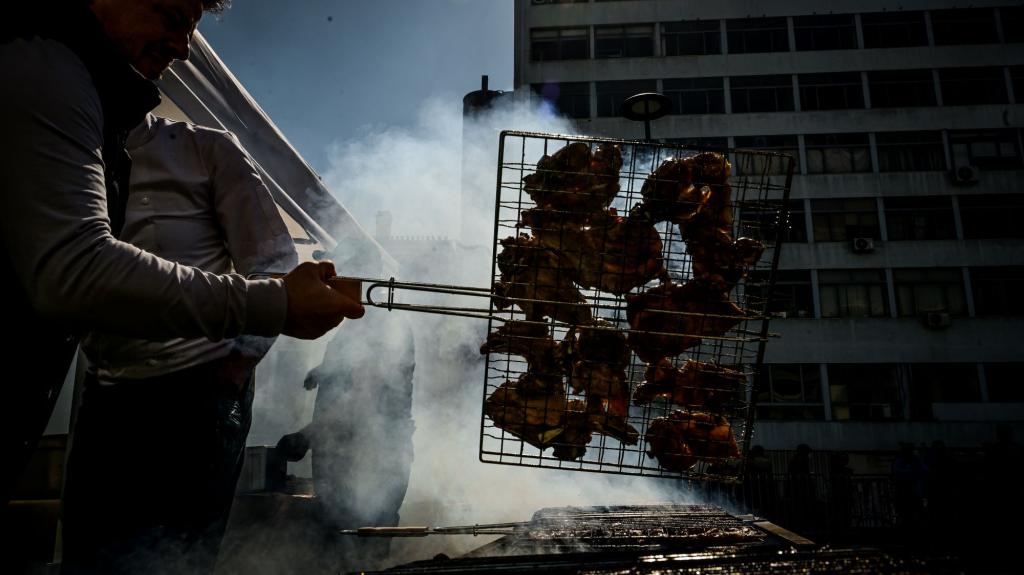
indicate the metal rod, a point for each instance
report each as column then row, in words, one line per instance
column 423, row 531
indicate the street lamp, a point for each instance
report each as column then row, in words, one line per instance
column 645, row 107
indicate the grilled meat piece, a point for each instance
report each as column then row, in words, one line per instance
column 669, row 193
column 684, row 437
column 680, row 315
column 556, row 230
column 597, row 357
column 598, row 341
column 531, row 341
column 711, row 170
column 576, row 181
column 697, row 384
column 605, row 422
column 538, row 275
column 536, row 419
column 723, row 262
column 618, row 253
column 576, row 433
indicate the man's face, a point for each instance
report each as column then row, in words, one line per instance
column 150, row 33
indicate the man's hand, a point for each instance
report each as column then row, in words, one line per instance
column 315, row 303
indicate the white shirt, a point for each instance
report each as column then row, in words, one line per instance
column 195, row 199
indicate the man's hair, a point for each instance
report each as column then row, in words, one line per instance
column 216, row 6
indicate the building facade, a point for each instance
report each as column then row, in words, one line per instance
column 899, row 294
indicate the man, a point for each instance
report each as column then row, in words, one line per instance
column 171, row 417
column 76, row 76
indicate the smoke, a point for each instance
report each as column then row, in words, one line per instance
column 437, row 179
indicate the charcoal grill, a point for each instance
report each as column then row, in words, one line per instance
column 668, row 539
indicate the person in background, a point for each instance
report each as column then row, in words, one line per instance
column 171, row 417
column 361, row 434
column 77, row 75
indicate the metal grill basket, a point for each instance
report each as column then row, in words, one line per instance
column 630, row 308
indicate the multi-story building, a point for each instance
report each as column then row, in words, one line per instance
column 899, row 300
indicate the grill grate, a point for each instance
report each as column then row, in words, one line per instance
column 631, row 312
column 640, row 527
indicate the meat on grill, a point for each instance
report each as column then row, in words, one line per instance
column 597, row 357
column 576, row 180
column 618, row 253
column 697, row 384
column 538, row 281
column 556, row 230
column 680, row 315
column 683, row 438
column 669, row 193
column 711, row 170
column 605, row 422
column 532, row 342
column 536, row 419
column 577, row 431
column 722, row 262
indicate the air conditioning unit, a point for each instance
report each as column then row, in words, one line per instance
column 863, row 245
column 936, row 320
column 965, row 175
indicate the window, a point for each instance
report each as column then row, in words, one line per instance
column 570, row 99
column 701, row 144
column 997, row 291
column 837, row 153
column 1012, row 18
column 992, row 216
column 926, row 290
column 610, row 95
column 1005, row 382
column 919, row 218
column 695, row 95
column 559, row 44
column 791, row 298
column 789, row 391
column 964, row 26
column 989, row 150
column 761, row 164
column 901, row 88
column 972, row 86
column 691, row 38
column 894, row 29
column 825, row 32
column 748, row 35
column 840, row 220
column 910, row 151
column 761, row 94
column 853, row 293
column 761, row 221
column 635, row 41
column 864, row 392
column 940, row 383
column 831, row 91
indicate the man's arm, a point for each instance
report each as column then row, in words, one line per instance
column 57, row 233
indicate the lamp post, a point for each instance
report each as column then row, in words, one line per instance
column 645, row 107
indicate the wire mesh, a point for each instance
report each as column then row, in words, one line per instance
column 632, row 282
